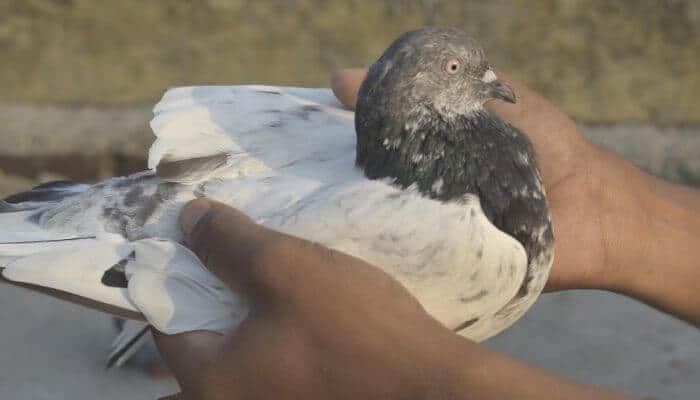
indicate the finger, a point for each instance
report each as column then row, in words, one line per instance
column 188, row 354
column 253, row 260
column 346, row 83
column 226, row 241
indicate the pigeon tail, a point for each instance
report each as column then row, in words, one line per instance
column 63, row 265
column 58, row 261
column 133, row 336
column 149, row 278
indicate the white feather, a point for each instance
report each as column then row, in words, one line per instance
column 132, row 336
column 78, row 271
column 20, row 237
column 176, row 293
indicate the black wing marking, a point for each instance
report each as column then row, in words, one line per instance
column 116, row 275
column 190, row 168
column 70, row 239
column 121, row 355
column 46, row 193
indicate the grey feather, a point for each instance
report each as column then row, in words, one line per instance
column 190, row 169
column 33, row 242
column 125, row 351
column 47, row 192
column 6, row 207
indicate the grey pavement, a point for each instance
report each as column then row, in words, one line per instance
column 53, row 350
column 609, row 340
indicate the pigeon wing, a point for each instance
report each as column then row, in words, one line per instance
column 240, row 131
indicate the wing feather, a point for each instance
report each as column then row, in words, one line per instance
column 251, row 130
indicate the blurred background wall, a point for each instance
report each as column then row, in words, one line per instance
column 78, row 77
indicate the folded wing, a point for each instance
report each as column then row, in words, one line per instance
column 245, row 131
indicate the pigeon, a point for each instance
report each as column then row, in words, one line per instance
column 421, row 181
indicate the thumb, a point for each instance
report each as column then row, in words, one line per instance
column 346, row 84
column 229, row 244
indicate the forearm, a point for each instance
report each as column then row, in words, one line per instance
column 476, row 372
column 651, row 230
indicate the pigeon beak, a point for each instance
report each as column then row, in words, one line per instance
column 495, row 89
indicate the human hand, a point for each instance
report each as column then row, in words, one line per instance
column 325, row 325
column 565, row 158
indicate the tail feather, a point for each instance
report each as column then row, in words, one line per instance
column 6, row 207
column 78, row 269
column 82, row 269
column 167, row 284
column 45, row 193
column 132, row 337
column 63, row 264
column 24, row 246
column 20, row 235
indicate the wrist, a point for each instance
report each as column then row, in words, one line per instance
column 467, row 370
column 622, row 220
column 452, row 375
column 463, row 369
column 436, row 370
column 651, row 239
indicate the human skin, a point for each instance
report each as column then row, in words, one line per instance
column 327, row 325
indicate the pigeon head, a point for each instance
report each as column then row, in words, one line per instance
column 428, row 81
column 436, row 69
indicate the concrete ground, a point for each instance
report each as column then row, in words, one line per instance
column 611, row 341
column 53, row 350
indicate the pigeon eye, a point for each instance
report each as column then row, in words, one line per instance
column 452, row 66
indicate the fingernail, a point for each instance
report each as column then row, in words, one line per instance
column 191, row 214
